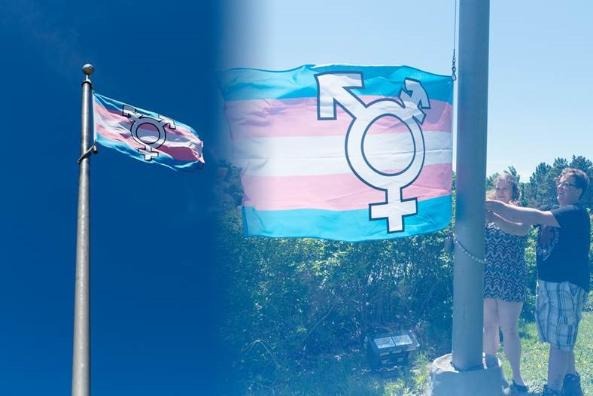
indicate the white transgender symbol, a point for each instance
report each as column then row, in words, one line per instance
column 144, row 138
column 334, row 89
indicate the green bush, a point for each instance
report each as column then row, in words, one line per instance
column 289, row 302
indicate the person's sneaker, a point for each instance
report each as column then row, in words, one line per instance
column 518, row 390
column 550, row 392
column 571, row 385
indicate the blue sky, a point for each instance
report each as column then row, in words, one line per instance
column 153, row 297
column 540, row 60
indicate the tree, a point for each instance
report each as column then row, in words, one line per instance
column 537, row 191
column 511, row 170
column 490, row 181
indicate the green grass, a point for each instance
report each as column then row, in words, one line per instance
column 534, row 357
column 348, row 374
column 534, row 362
column 345, row 375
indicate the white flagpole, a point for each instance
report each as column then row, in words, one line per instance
column 81, row 373
column 462, row 372
column 472, row 122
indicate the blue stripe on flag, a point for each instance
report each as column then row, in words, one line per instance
column 117, row 106
column 353, row 225
column 248, row 84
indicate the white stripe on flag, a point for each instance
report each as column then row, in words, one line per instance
column 325, row 155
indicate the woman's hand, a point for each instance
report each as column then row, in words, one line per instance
column 489, row 216
column 492, row 205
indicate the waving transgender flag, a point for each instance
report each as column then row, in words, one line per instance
column 342, row 152
column 146, row 135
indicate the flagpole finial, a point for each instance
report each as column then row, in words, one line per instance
column 88, row 69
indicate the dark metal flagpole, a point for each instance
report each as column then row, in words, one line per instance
column 81, row 369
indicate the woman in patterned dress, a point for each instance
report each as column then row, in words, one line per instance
column 505, row 276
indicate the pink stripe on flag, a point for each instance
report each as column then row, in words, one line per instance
column 298, row 117
column 107, row 132
column 182, row 153
column 335, row 192
column 112, row 117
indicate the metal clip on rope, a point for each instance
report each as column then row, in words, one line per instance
column 92, row 150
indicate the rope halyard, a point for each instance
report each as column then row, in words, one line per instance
column 453, row 60
column 92, row 150
column 467, row 252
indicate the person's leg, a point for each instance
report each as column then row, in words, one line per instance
column 571, row 385
column 508, row 316
column 558, row 362
column 572, row 380
column 546, row 315
column 571, row 368
column 491, row 336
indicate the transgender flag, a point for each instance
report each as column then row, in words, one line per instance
column 146, row 135
column 341, row 152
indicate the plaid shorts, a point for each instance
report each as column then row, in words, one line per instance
column 558, row 312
